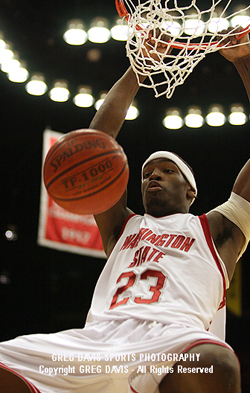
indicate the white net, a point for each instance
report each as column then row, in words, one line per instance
column 192, row 33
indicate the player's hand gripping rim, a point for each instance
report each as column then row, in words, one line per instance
column 155, row 47
column 233, row 51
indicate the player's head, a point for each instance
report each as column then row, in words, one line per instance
column 168, row 184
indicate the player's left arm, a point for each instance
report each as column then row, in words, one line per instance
column 239, row 55
column 230, row 222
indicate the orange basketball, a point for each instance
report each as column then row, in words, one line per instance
column 86, row 172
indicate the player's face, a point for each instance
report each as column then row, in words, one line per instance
column 164, row 188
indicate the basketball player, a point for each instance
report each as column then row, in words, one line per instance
column 162, row 291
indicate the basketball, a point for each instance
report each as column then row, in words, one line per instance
column 86, row 172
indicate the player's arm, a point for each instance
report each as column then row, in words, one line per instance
column 230, row 223
column 109, row 119
column 111, row 115
column 240, row 57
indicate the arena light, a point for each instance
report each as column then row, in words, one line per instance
column 99, row 32
column 19, row 74
column 99, row 102
column 242, row 19
column 194, row 118
column 172, row 26
column 6, row 54
column 132, row 112
column 119, row 32
column 194, row 26
column 216, row 117
column 218, row 24
column 36, row 86
column 237, row 116
column 10, row 63
column 75, row 33
column 11, row 233
column 173, row 119
column 84, row 98
column 59, row 92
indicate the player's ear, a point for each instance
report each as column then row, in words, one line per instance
column 191, row 194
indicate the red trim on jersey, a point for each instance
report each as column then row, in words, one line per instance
column 125, row 223
column 207, row 233
column 32, row 388
column 206, row 341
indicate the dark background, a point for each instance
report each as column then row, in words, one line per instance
column 51, row 290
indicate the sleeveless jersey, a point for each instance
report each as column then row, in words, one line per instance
column 162, row 269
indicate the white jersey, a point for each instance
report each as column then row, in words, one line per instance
column 155, row 298
column 162, row 269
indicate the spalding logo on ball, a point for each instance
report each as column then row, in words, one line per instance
column 86, row 172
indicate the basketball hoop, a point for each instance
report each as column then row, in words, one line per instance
column 192, row 35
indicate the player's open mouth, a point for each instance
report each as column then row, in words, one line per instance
column 154, row 186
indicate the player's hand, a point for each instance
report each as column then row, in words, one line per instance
column 156, row 45
column 233, row 51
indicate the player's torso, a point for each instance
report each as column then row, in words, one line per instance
column 160, row 269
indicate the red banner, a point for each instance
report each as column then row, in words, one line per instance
column 61, row 229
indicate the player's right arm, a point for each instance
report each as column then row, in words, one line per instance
column 111, row 115
column 109, row 119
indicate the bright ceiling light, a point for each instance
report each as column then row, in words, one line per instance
column 120, row 31
column 194, row 27
column 6, row 54
column 36, row 86
column 84, row 98
column 240, row 20
column 216, row 117
column 132, row 112
column 19, row 74
column 99, row 32
column 75, row 33
column 59, row 92
column 99, row 102
column 172, row 26
column 173, row 119
column 10, row 64
column 194, row 118
column 11, row 233
column 237, row 116
column 217, row 24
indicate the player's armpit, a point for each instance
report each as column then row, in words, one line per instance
column 228, row 238
column 110, row 223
